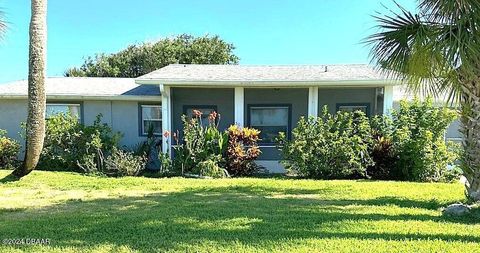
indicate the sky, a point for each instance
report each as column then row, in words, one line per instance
column 263, row 31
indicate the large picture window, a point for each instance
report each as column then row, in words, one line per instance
column 67, row 109
column 151, row 117
column 270, row 120
column 352, row 107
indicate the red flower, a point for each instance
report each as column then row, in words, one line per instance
column 166, row 134
column 197, row 113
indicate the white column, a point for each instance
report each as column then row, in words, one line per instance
column 387, row 100
column 313, row 101
column 239, row 102
column 166, row 118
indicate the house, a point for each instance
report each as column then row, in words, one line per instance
column 269, row 98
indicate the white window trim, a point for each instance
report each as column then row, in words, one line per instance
column 64, row 104
column 142, row 120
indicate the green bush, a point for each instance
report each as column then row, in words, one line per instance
column 419, row 141
column 382, row 149
column 200, row 144
column 70, row 145
column 9, row 149
column 123, row 163
column 408, row 146
column 207, row 151
column 329, row 146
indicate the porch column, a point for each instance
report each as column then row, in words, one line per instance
column 239, row 102
column 313, row 101
column 387, row 100
column 166, row 119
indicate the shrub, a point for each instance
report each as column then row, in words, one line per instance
column 9, row 149
column 210, row 167
column 329, row 146
column 200, row 144
column 123, row 163
column 69, row 145
column 207, row 151
column 242, row 150
column 419, row 142
column 382, row 150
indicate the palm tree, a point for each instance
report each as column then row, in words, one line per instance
column 3, row 24
column 35, row 129
column 436, row 51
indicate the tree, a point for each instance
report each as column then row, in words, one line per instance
column 3, row 24
column 35, row 128
column 137, row 60
column 436, row 51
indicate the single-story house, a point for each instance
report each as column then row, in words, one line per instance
column 269, row 98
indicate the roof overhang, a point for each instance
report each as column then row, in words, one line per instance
column 88, row 98
column 267, row 83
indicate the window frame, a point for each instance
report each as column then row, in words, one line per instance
column 66, row 103
column 141, row 120
column 272, row 105
column 366, row 105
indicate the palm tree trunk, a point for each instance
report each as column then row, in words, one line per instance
column 470, row 119
column 35, row 129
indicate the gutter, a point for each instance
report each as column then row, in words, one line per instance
column 233, row 83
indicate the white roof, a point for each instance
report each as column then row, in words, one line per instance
column 258, row 74
column 84, row 87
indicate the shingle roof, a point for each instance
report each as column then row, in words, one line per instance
column 84, row 87
column 193, row 73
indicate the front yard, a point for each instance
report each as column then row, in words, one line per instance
column 83, row 213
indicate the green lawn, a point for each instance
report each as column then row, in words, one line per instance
column 91, row 214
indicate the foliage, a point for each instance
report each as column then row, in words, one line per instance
column 70, row 145
column 150, row 148
column 382, row 150
column 408, row 146
column 123, row 163
column 329, row 146
column 137, row 60
column 256, row 215
column 9, row 149
column 435, row 51
column 210, row 167
column 242, row 150
column 200, row 144
column 418, row 139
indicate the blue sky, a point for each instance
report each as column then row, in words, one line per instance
column 264, row 31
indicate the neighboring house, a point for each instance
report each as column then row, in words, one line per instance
column 269, row 98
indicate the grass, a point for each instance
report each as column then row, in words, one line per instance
column 92, row 214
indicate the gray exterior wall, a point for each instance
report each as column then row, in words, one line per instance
column 122, row 116
column 12, row 113
column 297, row 97
column 222, row 98
column 333, row 96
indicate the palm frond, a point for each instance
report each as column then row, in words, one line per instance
column 3, row 24
column 448, row 11
column 413, row 49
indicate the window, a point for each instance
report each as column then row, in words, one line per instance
column 205, row 109
column 151, row 117
column 71, row 109
column 364, row 107
column 270, row 120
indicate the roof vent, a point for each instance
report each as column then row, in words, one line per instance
column 326, row 68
